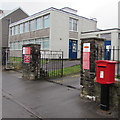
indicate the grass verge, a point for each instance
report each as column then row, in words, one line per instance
column 71, row 70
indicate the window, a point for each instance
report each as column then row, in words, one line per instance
column 45, row 43
column 72, row 24
column 74, row 46
column 46, row 20
column 32, row 41
column 20, row 43
column 39, row 41
column 32, row 25
column 15, row 45
column 16, row 30
column 11, row 46
column 26, row 27
column 21, row 28
column 39, row 23
column 26, row 42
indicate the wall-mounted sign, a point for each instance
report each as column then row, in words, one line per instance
column 86, row 47
column 26, row 58
column 27, row 50
column 86, row 56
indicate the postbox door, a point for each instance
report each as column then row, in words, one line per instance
column 101, row 74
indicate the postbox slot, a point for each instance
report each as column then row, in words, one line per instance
column 102, row 66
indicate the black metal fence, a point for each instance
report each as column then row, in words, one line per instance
column 51, row 63
column 110, row 53
column 10, row 61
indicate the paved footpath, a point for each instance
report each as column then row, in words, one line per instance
column 44, row 99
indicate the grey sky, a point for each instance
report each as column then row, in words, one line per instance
column 105, row 11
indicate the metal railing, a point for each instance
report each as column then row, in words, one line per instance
column 110, row 53
column 51, row 63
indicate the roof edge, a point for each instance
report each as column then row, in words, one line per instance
column 14, row 11
column 101, row 30
column 52, row 8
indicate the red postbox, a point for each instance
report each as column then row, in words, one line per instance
column 105, row 71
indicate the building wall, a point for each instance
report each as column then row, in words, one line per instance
column 58, row 32
column 114, row 38
column 13, row 17
column 88, row 25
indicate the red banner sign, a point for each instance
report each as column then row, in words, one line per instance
column 86, row 56
column 26, row 58
column 86, row 60
column 27, row 50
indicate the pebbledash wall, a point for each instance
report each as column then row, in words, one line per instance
column 54, row 29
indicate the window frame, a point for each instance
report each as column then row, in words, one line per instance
column 32, row 25
column 73, row 24
column 46, row 18
column 22, row 28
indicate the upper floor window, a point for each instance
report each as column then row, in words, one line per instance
column 72, row 24
column 39, row 23
column 21, row 28
column 16, row 30
column 26, row 27
column 46, row 21
column 32, row 25
column 35, row 24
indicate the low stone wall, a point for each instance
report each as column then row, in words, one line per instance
column 114, row 96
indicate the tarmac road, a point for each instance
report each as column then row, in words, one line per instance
column 43, row 99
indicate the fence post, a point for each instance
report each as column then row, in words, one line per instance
column 62, row 65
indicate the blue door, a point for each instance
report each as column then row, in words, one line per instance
column 107, row 54
column 72, row 49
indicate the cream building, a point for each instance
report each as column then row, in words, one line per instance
column 55, row 29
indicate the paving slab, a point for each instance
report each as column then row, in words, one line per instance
column 11, row 109
column 72, row 81
column 46, row 99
